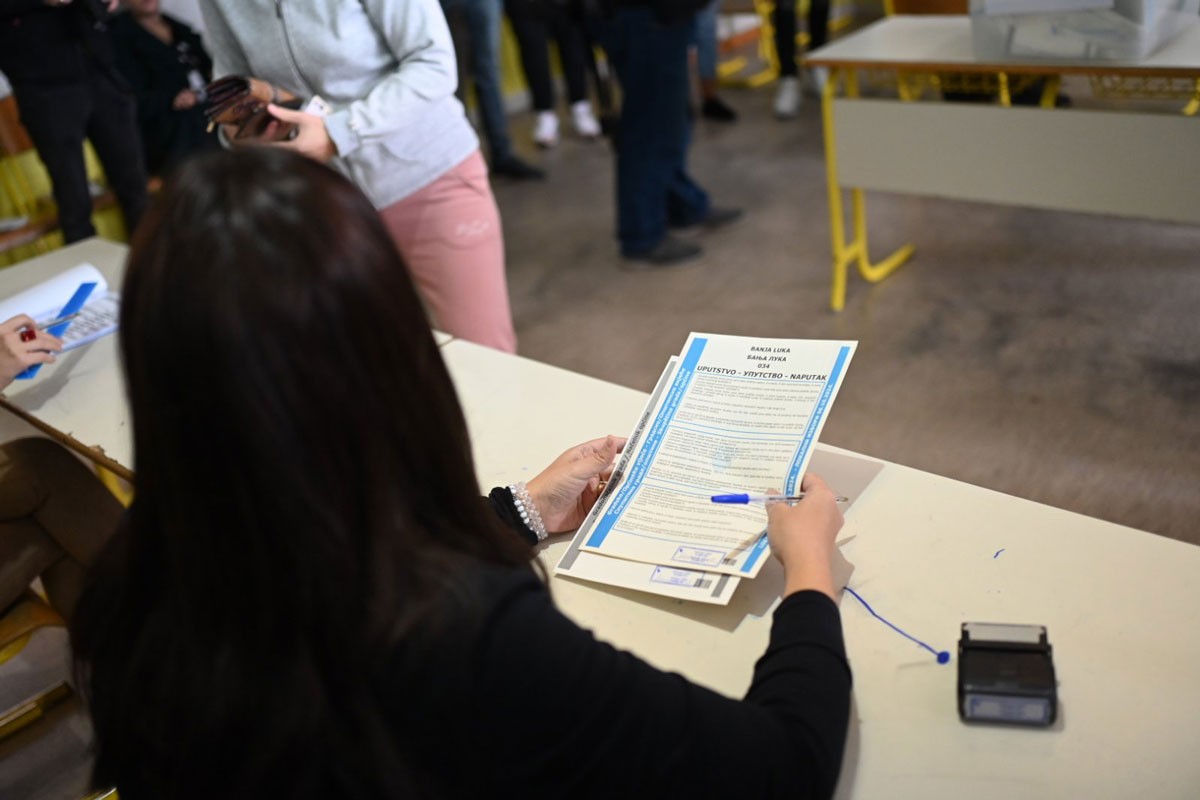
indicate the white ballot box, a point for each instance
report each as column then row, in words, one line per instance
column 1077, row 30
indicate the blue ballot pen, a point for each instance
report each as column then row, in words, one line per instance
column 743, row 499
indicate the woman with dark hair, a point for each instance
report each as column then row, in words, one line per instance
column 307, row 599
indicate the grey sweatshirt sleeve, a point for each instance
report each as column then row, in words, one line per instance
column 228, row 58
column 419, row 38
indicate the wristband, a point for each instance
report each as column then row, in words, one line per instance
column 528, row 511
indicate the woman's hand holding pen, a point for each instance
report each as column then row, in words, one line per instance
column 802, row 537
column 22, row 345
column 565, row 491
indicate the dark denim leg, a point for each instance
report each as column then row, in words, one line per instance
column 651, row 62
column 456, row 18
column 483, row 21
column 687, row 203
column 56, row 119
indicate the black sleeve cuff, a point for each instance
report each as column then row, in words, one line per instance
column 501, row 501
column 809, row 619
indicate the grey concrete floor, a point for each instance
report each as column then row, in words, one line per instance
column 1052, row 356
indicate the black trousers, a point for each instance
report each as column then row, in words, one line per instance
column 783, row 17
column 58, row 118
column 533, row 21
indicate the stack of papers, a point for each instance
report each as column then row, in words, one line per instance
column 730, row 414
column 44, row 302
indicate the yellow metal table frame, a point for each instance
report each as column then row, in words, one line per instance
column 911, row 81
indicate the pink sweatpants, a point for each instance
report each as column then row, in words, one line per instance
column 449, row 235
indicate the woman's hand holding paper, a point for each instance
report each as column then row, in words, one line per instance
column 565, row 491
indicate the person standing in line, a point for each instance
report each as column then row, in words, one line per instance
column 532, row 21
column 387, row 71
column 647, row 44
column 479, row 23
column 165, row 62
column 58, row 56
column 711, row 105
column 789, row 94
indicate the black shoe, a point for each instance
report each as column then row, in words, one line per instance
column 667, row 252
column 518, row 170
column 716, row 217
column 720, row 217
column 716, row 109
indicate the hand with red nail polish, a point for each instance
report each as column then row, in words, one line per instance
column 22, row 345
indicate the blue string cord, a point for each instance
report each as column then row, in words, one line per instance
column 943, row 656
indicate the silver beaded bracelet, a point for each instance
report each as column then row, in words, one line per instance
column 527, row 510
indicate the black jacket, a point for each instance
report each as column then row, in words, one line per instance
column 44, row 45
column 667, row 12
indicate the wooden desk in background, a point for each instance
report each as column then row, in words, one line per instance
column 930, row 553
column 1126, row 162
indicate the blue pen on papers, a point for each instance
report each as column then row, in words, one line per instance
column 54, row 323
column 743, row 499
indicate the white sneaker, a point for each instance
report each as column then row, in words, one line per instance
column 545, row 130
column 817, row 78
column 584, row 121
column 787, row 98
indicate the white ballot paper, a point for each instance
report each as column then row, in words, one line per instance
column 684, row 584
column 738, row 414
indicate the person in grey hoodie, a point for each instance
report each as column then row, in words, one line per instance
column 387, row 75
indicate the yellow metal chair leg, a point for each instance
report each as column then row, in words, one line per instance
column 113, row 482
column 1194, row 104
column 1050, row 91
column 730, row 67
column 856, row 250
column 1005, row 94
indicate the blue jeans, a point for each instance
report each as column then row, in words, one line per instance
column 706, row 41
column 480, row 21
column 653, row 187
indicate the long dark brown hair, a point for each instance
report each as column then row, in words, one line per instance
column 305, row 493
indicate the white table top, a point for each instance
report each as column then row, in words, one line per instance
column 944, row 42
column 80, row 400
column 931, row 553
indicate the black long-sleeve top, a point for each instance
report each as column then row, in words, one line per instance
column 54, row 45
column 157, row 72
column 524, row 702
column 499, row 695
